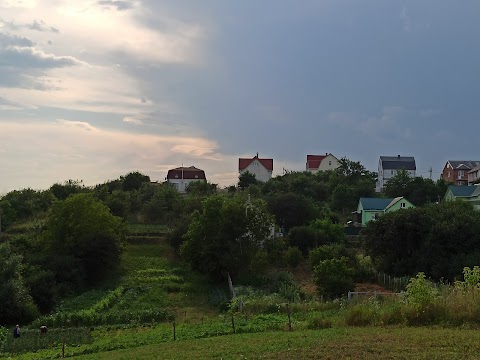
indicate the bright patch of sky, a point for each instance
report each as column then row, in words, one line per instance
column 91, row 90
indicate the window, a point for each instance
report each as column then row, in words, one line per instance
column 196, row 176
column 176, row 176
column 461, row 174
column 392, row 172
column 255, row 164
column 330, row 163
column 402, row 205
column 448, row 173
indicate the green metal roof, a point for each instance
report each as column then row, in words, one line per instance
column 375, row 203
column 462, row 191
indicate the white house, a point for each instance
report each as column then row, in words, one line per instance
column 388, row 166
column 316, row 163
column 181, row 177
column 261, row 168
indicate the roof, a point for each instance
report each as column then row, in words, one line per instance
column 375, row 203
column 394, row 201
column 476, row 168
column 314, row 161
column 462, row 191
column 190, row 172
column 398, row 162
column 464, row 164
column 243, row 163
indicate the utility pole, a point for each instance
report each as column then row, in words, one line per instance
column 430, row 171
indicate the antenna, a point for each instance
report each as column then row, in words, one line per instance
column 430, row 171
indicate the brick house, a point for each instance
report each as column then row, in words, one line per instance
column 457, row 171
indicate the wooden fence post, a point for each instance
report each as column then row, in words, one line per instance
column 289, row 318
column 233, row 324
column 174, row 331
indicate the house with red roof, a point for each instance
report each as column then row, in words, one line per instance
column 261, row 168
column 182, row 176
column 316, row 163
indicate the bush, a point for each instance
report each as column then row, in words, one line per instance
column 318, row 323
column 360, row 315
column 326, row 252
column 333, row 277
column 294, row 256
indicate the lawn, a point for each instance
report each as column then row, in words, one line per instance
column 334, row 343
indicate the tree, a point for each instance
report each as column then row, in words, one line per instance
column 161, row 208
column 17, row 304
column 82, row 228
column 62, row 191
column 134, row 180
column 437, row 239
column 225, row 236
column 246, row 179
column 398, row 184
column 291, row 209
column 201, row 188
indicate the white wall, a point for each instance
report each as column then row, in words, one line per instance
column 261, row 173
column 182, row 184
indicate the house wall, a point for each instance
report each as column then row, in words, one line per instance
column 473, row 176
column 386, row 174
column 330, row 162
column 398, row 206
column 261, row 173
column 369, row 215
column 182, row 184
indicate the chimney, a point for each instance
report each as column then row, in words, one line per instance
column 398, row 156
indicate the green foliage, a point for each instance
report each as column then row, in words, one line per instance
column 333, row 277
column 246, row 179
column 438, row 239
column 134, row 180
column 83, row 229
column 291, row 209
column 294, row 256
column 226, row 235
column 17, row 304
column 319, row 323
column 326, row 252
column 471, row 278
column 327, row 231
column 201, row 188
column 304, row 238
column 62, row 191
column 420, row 292
column 162, row 207
column 418, row 190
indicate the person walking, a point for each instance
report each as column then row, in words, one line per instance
column 16, row 331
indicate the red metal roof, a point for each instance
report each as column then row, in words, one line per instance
column 313, row 161
column 243, row 163
column 186, row 173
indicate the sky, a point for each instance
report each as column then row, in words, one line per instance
column 91, row 90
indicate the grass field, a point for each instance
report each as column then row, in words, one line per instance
column 133, row 318
column 335, row 343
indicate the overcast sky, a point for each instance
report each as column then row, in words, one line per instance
column 91, row 90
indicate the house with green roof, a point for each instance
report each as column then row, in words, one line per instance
column 467, row 193
column 369, row 209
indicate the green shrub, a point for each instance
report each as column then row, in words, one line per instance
column 318, row 323
column 420, row 292
column 326, row 252
column 333, row 277
column 360, row 315
column 293, row 256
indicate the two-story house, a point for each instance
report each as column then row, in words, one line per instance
column 181, row 177
column 388, row 166
column 473, row 176
column 457, row 171
column 316, row 163
column 261, row 168
column 467, row 193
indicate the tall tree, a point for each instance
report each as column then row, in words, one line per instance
column 82, row 228
column 226, row 235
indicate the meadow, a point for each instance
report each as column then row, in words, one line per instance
column 157, row 306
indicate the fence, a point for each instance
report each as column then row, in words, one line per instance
column 351, row 294
column 396, row 284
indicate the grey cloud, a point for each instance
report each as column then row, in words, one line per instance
column 117, row 4
column 7, row 40
column 28, row 57
column 37, row 25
